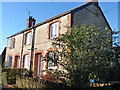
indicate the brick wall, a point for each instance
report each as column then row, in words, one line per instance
column 42, row 42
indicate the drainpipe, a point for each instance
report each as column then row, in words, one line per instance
column 21, row 55
column 32, row 47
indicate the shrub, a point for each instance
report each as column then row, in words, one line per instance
column 12, row 73
column 30, row 83
column 3, row 78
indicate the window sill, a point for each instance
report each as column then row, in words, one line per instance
column 27, row 44
column 8, row 66
column 11, row 47
column 55, row 67
column 53, row 37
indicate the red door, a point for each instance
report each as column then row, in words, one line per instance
column 17, row 62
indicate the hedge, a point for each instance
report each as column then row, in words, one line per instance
column 10, row 74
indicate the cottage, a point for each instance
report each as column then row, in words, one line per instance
column 27, row 48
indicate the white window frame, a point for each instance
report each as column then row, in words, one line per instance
column 28, row 38
column 11, row 43
column 51, row 67
column 26, row 61
column 54, row 30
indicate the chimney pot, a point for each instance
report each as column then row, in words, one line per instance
column 95, row 2
column 30, row 22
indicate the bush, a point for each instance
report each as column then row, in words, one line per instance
column 30, row 83
column 12, row 73
column 37, row 83
column 3, row 78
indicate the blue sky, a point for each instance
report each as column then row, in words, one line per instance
column 14, row 14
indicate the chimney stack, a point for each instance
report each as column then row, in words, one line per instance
column 95, row 2
column 30, row 22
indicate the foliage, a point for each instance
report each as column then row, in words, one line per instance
column 86, row 53
column 36, row 83
column 30, row 83
column 10, row 74
column 3, row 79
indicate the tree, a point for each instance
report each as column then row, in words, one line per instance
column 85, row 53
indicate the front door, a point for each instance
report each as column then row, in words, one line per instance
column 39, row 61
column 17, row 62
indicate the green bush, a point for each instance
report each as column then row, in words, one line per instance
column 12, row 73
column 3, row 78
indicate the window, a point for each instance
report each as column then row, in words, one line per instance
column 11, row 43
column 52, row 60
column 28, row 38
column 9, row 61
column 26, row 61
column 54, row 28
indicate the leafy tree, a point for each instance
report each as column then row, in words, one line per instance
column 85, row 53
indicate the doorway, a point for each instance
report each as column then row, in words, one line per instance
column 38, row 64
column 17, row 62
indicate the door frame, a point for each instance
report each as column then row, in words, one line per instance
column 36, row 64
column 17, row 61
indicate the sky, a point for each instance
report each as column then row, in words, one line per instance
column 14, row 15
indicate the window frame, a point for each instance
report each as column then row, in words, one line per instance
column 9, row 62
column 54, row 31
column 24, row 62
column 26, row 38
column 11, row 43
column 55, row 66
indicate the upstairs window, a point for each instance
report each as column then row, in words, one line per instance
column 11, row 43
column 54, row 30
column 26, row 61
column 28, row 38
column 52, row 60
column 9, row 61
